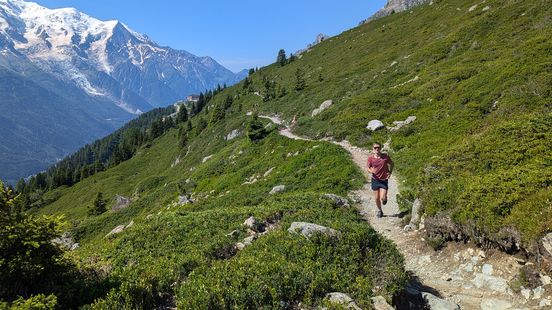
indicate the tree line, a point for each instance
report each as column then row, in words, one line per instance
column 109, row 151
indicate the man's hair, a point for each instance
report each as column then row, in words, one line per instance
column 376, row 143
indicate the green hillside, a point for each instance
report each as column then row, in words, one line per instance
column 478, row 155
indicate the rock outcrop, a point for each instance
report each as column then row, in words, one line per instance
column 337, row 200
column 395, row 6
column 343, row 300
column 326, row 104
column 121, row 202
column 400, row 124
column 277, row 189
column 309, row 229
column 375, row 125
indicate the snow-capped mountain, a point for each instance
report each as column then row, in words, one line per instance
column 67, row 78
column 105, row 58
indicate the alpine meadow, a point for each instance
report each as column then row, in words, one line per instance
column 256, row 196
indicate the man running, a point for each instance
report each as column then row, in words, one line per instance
column 380, row 166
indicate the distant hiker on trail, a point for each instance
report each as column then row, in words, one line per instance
column 380, row 166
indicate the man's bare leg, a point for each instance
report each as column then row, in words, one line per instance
column 378, row 200
column 383, row 195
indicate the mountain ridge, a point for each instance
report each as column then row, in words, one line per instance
column 104, row 73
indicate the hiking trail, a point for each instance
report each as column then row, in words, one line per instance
column 461, row 274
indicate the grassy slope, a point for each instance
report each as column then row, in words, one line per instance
column 483, row 88
column 184, row 251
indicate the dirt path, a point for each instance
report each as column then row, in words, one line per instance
column 461, row 274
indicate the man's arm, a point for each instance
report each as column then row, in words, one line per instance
column 390, row 165
column 369, row 165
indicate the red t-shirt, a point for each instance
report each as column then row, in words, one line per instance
column 380, row 165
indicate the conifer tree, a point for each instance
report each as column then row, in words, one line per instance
column 300, row 82
column 182, row 114
column 281, row 59
column 99, row 205
column 255, row 129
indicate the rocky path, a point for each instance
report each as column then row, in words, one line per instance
column 461, row 276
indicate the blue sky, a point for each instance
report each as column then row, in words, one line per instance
column 238, row 34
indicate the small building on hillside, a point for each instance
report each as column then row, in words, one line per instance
column 192, row 98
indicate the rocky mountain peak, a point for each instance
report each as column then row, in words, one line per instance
column 395, row 6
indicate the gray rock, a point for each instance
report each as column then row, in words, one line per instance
column 415, row 219
column 546, row 242
column 116, row 230
column 269, row 171
column 183, row 199
column 120, row 229
column 545, row 303
column 240, row 246
column 206, row 158
column 487, row 269
column 233, row 233
column 526, row 293
column 326, row 104
column 277, row 189
column 395, row 6
column 233, row 134
column 537, row 292
column 309, row 229
column 435, row 303
column 495, row 304
column 342, row 299
column 74, row 246
column 121, row 203
column 249, row 240
column 379, row 303
column 375, row 125
column 496, row 284
column 400, row 124
column 337, row 200
column 254, row 225
column 65, row 241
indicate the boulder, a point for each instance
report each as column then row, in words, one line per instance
column 379, row 303
column 493, row 283
column 254, row 225
column 120, row 229
column 435, row 303
column 249, row 240
column 415, row 219
column 343, row 300
column 545, row 248
column 183, row 199
column 495, row 304
column 400, row 124
column 309, row 229
column 116, row 230
column 375, row 125
column 337, row 200
column 268, row 172
column 487, row 269
column 121, row 203
column 277, row 189
column 233, row 134
column 326, row 104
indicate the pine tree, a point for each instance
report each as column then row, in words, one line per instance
column 281, row 59
column 300, row 82
column 182, row 114
column 255, row 129
column 217, row 114
column 99, row 205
